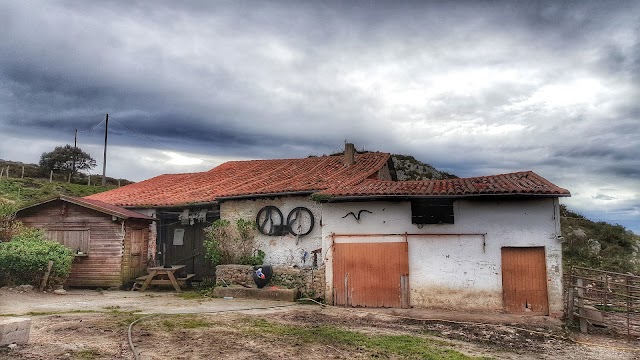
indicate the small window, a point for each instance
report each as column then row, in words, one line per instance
column 75, row 239
column 432, row 212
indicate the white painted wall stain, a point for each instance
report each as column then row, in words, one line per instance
column 460, row 271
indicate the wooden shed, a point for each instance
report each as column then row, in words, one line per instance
column 110, row 243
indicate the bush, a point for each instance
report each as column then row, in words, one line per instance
column 25, row 258
column 9, row 226
column 226, row 244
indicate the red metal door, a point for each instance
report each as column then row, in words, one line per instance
column 524, row 280
column 371, row 274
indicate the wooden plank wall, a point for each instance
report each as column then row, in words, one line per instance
column 103, row 264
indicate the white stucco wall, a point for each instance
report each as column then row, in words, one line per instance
column 456, row 271
column 279, row 250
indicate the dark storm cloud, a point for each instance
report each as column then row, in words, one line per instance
column 473, row 87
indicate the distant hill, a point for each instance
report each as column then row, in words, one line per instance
column 28, row 184
column 23, row 192
column 598, row 245
column 34, row 171
column 408, row 168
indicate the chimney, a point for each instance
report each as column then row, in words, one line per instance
column 349, row 154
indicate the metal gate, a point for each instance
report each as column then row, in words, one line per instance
column 524, row 280
column 371, row 274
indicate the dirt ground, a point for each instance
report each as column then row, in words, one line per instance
column 87, row 324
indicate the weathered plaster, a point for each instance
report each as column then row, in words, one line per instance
column 279, row 250
column 467, row 266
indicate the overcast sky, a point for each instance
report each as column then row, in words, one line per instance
column 473, row 88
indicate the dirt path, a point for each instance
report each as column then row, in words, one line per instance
column 85, row 324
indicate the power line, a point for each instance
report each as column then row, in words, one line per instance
column 93, row 127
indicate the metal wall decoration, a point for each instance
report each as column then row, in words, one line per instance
column 359, row 214
column 270, row 221
column 299, row 221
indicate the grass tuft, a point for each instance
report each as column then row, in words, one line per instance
column 406, row 346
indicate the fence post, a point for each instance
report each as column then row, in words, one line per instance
column 581, row 312
column 570, row 297
column 626, row 278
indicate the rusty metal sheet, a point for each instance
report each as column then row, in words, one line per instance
column 524, row 280
column 371, row 274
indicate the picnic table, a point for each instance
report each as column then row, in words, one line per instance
column 160, row 275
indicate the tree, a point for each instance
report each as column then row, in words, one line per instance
column 67, row 159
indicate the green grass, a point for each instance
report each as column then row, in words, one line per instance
column 194, row 294
column 86, row 354
column 405, row 346
column 23, row 192
column 45, row 313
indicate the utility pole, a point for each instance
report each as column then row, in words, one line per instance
column 104, row 162
column 75, row 151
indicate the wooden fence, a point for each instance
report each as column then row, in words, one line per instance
column 604, row 299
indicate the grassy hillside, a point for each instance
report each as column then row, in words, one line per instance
column 23, row 192
column 598, row 245
column 33, row 171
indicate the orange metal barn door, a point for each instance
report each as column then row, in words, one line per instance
column 371, row 274
column 524, row 280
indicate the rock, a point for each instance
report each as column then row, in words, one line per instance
column 25, row 288
column 594, row 316
column 12, row 346
column 580, row 233
column 14, row 330
column 60, row 291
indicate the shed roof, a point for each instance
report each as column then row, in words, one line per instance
column 517, row 183
column 96, row 205
column 252, row 178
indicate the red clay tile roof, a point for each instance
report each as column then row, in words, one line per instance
column 518, row 183
column 98, row 206
column 246, row 178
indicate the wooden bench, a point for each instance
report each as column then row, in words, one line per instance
column 180, row 280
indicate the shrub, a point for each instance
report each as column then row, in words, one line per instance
column 25, row 258
column 9, row 226
column 225, row 244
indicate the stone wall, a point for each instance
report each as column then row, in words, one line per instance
column 310, row 282
column 234, row 274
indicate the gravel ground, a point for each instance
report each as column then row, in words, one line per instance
column 87, row 324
